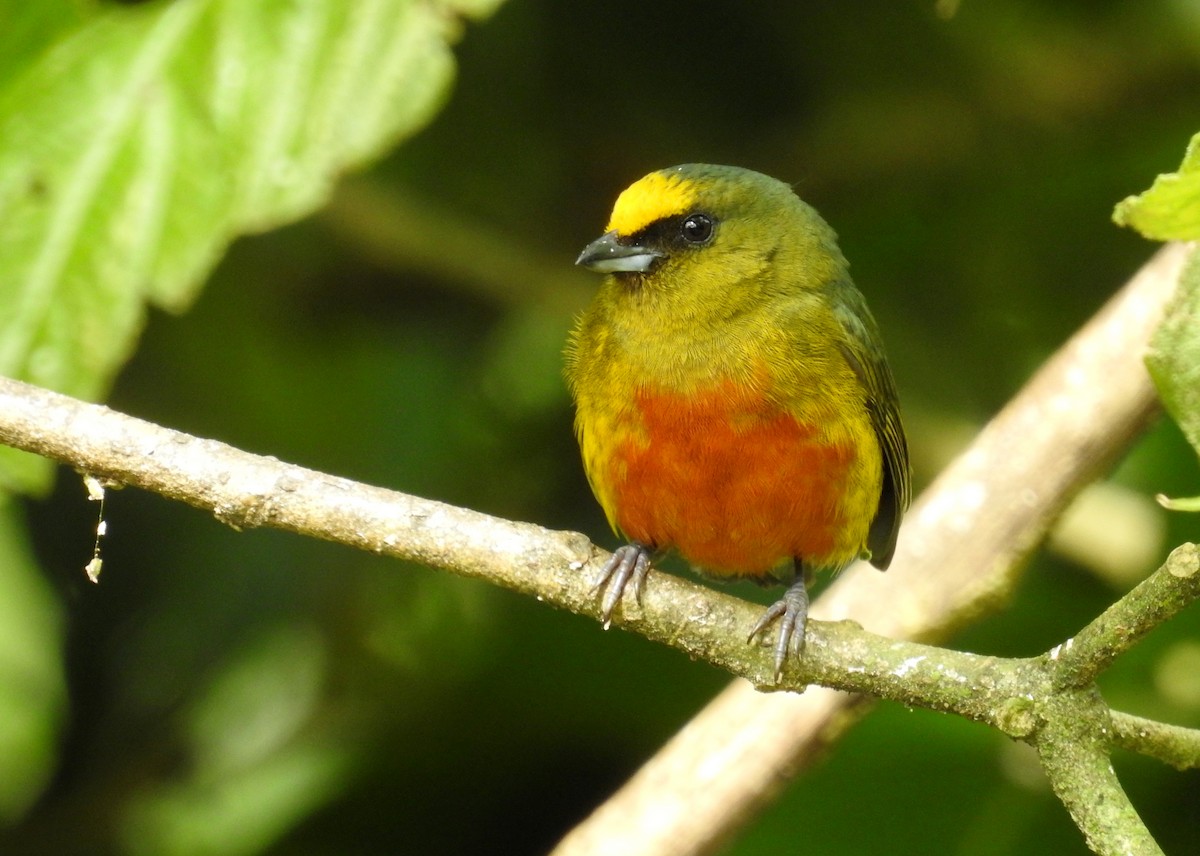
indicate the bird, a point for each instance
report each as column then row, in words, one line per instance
column 733, row 399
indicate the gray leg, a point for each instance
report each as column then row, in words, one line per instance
column 792, row 613
column 630, row 563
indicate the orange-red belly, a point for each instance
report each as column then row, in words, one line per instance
column 735, row 485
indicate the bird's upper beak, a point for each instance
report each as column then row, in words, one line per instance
column 607, row 254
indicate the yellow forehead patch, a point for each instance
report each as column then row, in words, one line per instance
column 658, row 195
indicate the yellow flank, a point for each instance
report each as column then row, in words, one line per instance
column 658, row 195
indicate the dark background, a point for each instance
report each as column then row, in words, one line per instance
column 260, row 693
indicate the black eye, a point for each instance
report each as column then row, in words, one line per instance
column 696, row 228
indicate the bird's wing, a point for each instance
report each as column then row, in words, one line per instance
column 863, row 351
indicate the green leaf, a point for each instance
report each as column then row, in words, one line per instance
column 1174, row 355
column 136, row 141
column 1170, row 209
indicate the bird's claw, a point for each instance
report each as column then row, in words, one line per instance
column 630, row 563
column 791, row 611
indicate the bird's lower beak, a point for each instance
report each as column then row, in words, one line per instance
column 607, row 254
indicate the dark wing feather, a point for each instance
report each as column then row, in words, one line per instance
column 863, row 351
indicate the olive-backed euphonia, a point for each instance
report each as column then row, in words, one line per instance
column 733, row 399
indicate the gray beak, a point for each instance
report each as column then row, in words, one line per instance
column 607, row 254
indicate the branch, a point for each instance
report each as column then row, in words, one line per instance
column 245, row 490
column 242, row 490
column 1073, row 748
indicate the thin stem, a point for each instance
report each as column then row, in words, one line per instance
column 1171, row 744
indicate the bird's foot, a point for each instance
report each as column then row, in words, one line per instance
column 791, row 611
column 630, row 563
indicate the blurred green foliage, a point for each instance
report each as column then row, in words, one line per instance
column 237, row 693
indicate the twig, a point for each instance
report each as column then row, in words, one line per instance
column 1118, row 628
column 1171, row 744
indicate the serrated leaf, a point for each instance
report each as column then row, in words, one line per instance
column 1170, row 209
column 1174, row 355
column 137, row 141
